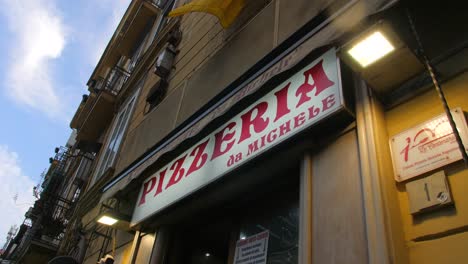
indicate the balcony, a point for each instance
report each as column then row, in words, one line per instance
column 56, row 171
column 39, row 241
column 96, row 111
column 78, row 175
column 83, row 110
column 115, row 82
column 43, row 229
column 133, row 24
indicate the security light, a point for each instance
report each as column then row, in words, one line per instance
column 114, row 218
column 165, row 61
column 380, row 57
column 371, row 48
column 107, row 220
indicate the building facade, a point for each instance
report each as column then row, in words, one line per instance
column 38, row 238
column 267, row 142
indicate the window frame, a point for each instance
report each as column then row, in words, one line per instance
column 126, row 111
column 163, row 18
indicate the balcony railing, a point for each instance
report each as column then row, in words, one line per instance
column 51, row 213
column 114, row 81
column 45, row 231
column 55, row 174
column 159, row 3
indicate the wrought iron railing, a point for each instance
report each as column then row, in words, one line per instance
column 116, row 80
column 49, row 213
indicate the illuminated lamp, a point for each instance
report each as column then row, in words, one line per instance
column 380, row 57
column 107, row 220
column 113, row 218
column 371, row 48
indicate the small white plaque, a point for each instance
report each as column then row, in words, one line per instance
column 253, row 249
column 427, row 146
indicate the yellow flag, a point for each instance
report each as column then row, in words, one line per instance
column 225, row 10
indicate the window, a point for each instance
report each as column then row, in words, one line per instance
column 109, row 153
column 213, row 240
column 140, row 47
column 166, row 7
column 282, row 222
column 76, row 195
column 155, row 95
column 153, row 27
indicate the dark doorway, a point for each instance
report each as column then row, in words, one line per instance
column 202, row 243
column 209, row 235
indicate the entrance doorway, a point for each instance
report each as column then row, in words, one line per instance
column 206, row 244
column 210, row 237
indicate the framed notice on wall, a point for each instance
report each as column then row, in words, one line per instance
column 427, row 146
column 253, row 249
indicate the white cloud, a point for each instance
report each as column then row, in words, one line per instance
column 39, row 39
column 14, row 182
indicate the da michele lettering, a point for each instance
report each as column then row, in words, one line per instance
column 301, row 100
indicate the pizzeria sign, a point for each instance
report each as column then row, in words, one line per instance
column 310, row 95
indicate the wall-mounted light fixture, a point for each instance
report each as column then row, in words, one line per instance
column 165, row 61
column 114, row 219
column 380, row 57
column 371, row 48
column 107, row 220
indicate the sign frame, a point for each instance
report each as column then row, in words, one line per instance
column 418, row 137
column 250, row 245
column 307, row 97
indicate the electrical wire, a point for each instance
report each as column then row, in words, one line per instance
column 438, row 88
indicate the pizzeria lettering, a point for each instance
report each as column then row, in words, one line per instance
column 303, row 99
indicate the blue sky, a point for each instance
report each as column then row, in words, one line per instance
column 49, row 49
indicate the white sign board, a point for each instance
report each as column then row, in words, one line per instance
column 252, row 250
column 427, row 146
column 305, row 98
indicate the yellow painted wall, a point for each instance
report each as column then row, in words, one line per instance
column 450, row 246
column 392, row 214
column 123, row 254
column 145, row 249
column 447, row 250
